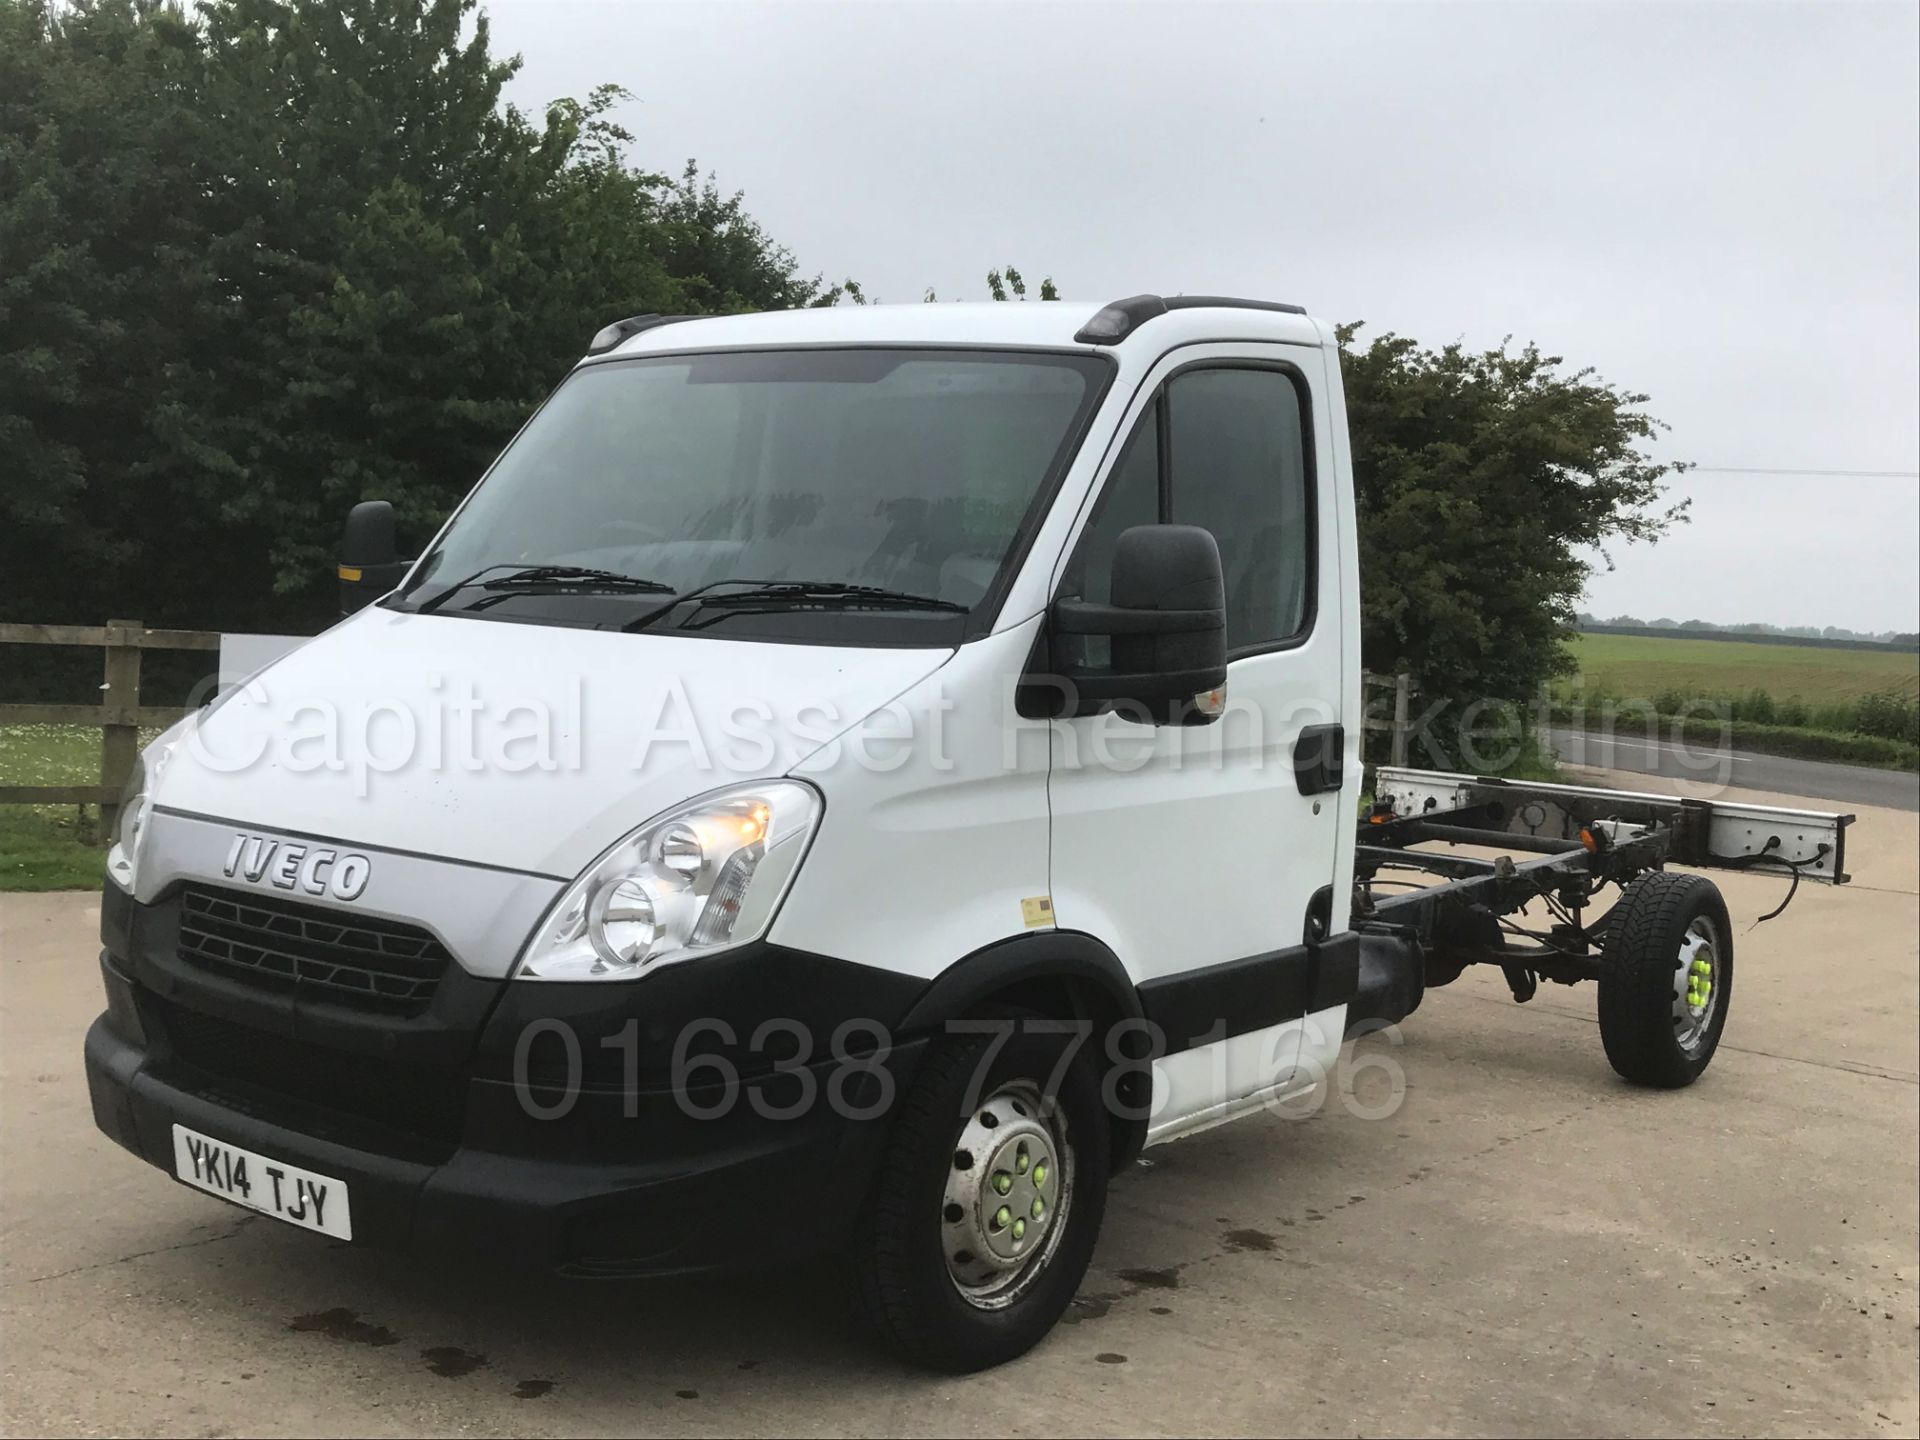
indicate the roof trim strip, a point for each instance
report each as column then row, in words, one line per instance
column 1115, row 322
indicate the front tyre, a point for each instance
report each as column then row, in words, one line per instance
column 987, row 1203
column 1667, row 981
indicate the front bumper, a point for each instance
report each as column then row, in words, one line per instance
column 617, row 1171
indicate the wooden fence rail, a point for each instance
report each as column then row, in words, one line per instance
column 119, row 713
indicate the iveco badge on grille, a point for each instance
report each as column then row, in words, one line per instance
column 316, row 869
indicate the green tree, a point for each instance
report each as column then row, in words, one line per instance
column 1007, row 284
column 724, row 260
column 415, row 262
column 104, row 281
column 288, row 254
column 1484, row 481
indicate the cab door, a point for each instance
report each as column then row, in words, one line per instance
column 1199, row 853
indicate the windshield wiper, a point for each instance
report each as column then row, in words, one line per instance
column 575, row 578
column 566, row 574
column 814, row 594
column 829, row 592
column 758, row 596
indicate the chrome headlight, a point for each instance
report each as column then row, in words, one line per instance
column 136, row 805
column 696, row 880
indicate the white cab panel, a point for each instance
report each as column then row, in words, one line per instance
column 529, row 747
column 918, row 865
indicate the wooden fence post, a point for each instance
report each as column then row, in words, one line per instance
column 120, row 720
column 1402, row 685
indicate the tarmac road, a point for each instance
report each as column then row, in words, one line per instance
column 1806, row 779
column 1517, row 1244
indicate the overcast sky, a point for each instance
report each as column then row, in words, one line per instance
column 1718, row 205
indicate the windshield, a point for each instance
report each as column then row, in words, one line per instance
column 908, row 472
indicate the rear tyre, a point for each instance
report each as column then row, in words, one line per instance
column 988, row 1201
column 1667, row 980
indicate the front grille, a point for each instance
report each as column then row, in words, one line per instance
column 305, row 1086
column 354, row 960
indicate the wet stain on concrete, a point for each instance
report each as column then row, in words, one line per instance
column 688, row 1394
column 532, row 1389
column 451, row 1361
column 1238, row 1240
column 341, row 1323
column 1097, row 1305
column 1159, row 1309
column 1109, row 1357
column 1087, row 1307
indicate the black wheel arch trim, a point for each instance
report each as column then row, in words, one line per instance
column 1215, row 1002
column 1191, row 1008
column 1047, row 956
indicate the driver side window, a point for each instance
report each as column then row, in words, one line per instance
column 1223, row 448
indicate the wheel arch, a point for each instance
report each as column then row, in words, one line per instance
column 1060, row 974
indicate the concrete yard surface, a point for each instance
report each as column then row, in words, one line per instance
column 1516, row 1243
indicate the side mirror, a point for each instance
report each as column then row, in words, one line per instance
column 1168, row 625
column 370, row 563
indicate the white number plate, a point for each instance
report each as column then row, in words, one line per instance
column 273, row 1187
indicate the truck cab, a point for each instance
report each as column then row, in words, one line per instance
column 842, row 783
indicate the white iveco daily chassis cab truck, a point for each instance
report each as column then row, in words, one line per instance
column 843, row 783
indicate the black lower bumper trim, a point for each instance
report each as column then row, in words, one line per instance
column 625, row 1183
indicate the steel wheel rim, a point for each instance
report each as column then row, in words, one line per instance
column 1698, row 984
column 999, row 1224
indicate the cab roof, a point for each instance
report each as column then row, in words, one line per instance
column 1048, row 324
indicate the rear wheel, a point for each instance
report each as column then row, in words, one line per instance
column 987, row 1204
column 1667, row 981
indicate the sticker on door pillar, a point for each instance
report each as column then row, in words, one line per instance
column 1036, row 910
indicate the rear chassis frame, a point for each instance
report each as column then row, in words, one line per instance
column 1576, row 841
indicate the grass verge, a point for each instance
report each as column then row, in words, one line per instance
column 51, row 847
column 46, row 847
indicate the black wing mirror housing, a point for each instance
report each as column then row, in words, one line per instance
column 370, row 563
column 1168, row 625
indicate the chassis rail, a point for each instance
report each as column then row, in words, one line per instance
column 1579, row 839
column 1710, row 834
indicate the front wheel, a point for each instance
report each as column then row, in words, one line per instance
column 988, row 1201
column 1667, row 980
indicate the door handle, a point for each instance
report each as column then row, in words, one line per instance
column 1319, row 758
